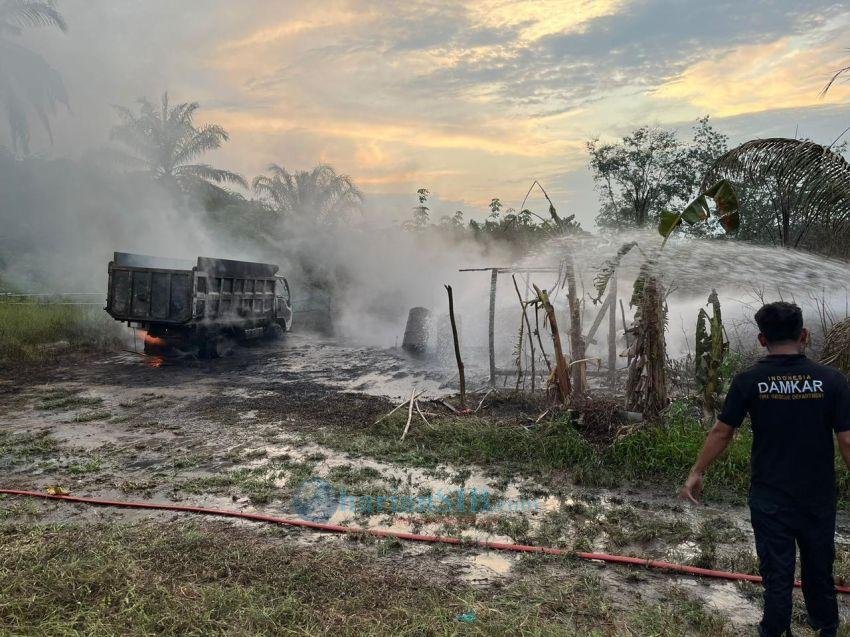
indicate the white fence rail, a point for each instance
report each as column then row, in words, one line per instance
column 53, row 298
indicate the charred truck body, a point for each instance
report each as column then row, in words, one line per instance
column 201, row 307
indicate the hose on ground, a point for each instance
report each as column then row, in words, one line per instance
column 411, row 537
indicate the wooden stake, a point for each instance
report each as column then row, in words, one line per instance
column 494, row 276
column 524, row 306
column 603, row 312
column 457, row 350
column 421, row 413
column 409, row 413
column 612, row 331
column 626, row 334
column 397, row 407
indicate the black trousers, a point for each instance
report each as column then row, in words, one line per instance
column 779, row 529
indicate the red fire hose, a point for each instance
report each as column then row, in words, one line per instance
column 413, row 537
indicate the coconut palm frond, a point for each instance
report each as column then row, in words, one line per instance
column 205, row 172
column 15, row 15
column 810, row 181
column 319, row 194
column 164, row 137
column 28, row 84
column 835, row 77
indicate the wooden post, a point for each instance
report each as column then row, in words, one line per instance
column 457, row 348
column 562, row 368
column 603, row 311
column 524, row 305
column 626, row 335
column 494, row 275
column 612, row 331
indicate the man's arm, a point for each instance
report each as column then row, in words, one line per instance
column 715, row 443
column 844, row 446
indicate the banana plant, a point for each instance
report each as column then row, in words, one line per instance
column 711, row 350
column 726, row 210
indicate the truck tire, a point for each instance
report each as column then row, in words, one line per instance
column 222, row 346
column 274, row 332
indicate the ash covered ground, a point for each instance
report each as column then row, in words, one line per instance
column 245, row 432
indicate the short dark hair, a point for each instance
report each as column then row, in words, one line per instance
column 780, row 321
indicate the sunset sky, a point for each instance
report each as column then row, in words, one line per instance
column 472, row 100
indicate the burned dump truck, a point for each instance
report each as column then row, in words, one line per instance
column 200, row 308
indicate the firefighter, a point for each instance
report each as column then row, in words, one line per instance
column 795, row 406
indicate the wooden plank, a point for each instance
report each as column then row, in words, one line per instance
column 598, row 320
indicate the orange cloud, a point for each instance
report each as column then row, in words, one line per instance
column 500, row 138
column 787, row 73
column 538, row 18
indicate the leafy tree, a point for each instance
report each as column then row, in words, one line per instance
column 27, row 82
column 317, row 195
column 163, row 140
column 421, row 213
column 650, row 171
column 495, row 208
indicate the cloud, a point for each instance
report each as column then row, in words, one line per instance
column 785, row 73
column 472, row 99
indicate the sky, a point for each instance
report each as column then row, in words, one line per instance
column 472, row 100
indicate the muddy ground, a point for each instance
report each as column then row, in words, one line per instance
column 245, row 432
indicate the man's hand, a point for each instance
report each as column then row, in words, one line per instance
column 692, row 489
column 715, row 443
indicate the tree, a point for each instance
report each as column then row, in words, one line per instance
column 794, row 193
column 317, row 195
column 650, row 171
column 27, row 82
column 421, row 213
column 164, row 140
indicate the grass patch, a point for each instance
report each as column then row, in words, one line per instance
column 65, row 400
column 15, row 448
column 660, row 454
column 170, row 579
column 92, row 465
column 90, row 416
column 27, row 331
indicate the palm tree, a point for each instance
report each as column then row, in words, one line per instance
column 27, row 81
column 794, row 192
column 315, row 195
column 163, row 140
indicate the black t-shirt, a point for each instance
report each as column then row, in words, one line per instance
column 795, row 405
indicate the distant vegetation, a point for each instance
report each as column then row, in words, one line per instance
column 28, row 84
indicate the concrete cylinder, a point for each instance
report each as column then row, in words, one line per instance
column 416, row 332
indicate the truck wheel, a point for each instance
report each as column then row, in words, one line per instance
column 274, row 332
column 222, row 346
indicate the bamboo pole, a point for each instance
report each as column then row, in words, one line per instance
column 457, row 351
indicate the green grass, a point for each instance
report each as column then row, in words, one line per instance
column 16, row 448
column 90, row 416
column 655, row 455
column 26, row 329
column 170, row 579
column 661, row 454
